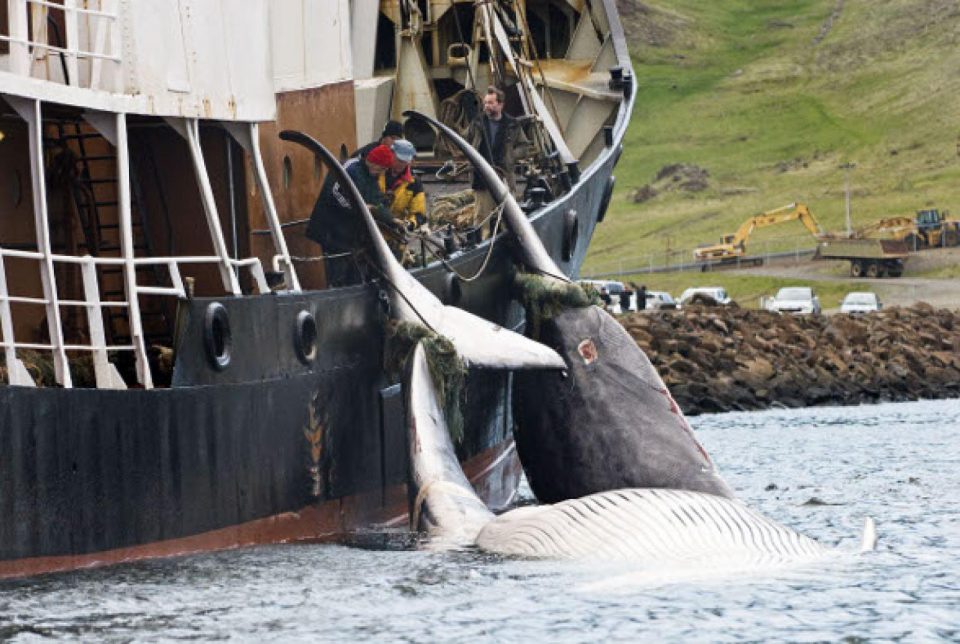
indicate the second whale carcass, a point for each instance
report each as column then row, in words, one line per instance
column 607, row 421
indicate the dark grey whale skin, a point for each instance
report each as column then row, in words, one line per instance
column 606, row 425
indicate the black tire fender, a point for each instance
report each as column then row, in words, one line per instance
column 305, row 337
column 452, row 289
column 217, row 338
column 607, row 195
column 571, row 234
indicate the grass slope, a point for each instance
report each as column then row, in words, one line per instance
column 771, row 97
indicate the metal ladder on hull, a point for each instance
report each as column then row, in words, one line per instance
column 94, row 192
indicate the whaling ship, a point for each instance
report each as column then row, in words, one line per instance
column 175, row 376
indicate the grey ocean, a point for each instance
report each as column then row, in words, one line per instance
column 820, row 471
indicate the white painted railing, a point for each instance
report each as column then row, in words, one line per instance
column 91, row 39
column 106, row 375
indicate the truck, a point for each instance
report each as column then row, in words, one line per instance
column 867, row 257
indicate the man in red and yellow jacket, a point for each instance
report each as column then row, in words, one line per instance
column 408, row 202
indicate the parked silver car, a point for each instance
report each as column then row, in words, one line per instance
column 799, row 300
column 660, row 300
column 716, row 293
column 860, row 302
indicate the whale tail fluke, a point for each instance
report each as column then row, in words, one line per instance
column 868, row 542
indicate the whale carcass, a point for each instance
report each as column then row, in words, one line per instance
column 635, row 524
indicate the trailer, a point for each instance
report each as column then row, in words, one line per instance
column 867, row 257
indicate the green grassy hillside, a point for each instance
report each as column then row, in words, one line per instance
column 770, row 97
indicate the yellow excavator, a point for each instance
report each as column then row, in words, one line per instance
column 734, row 247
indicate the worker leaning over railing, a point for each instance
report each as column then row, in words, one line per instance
column 408, row 202
column 406, row 197
column 336, row 227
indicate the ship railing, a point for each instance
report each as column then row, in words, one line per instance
column 105, row 373
column 92, row 35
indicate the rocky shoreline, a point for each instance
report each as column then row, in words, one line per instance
column 717, row 359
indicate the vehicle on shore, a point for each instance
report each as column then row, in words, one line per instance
column 712, row 295
column 613, row 294
column 176, row 375
column 732, row 249
column 860, row 302
column 797, row 300
column 659, row 300
column 868, row 257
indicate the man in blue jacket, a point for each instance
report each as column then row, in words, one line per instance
column 338, row 228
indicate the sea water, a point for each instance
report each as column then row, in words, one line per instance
column 820, row 471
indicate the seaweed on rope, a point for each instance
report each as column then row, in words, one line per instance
column 446, row 368
column 545, row 298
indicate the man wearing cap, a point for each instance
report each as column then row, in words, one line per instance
column 392, row 131
column 408, row 202
column 336, row 226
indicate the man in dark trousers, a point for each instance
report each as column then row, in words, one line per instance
column 493, row 133
column 641, row 292
column 335, row 224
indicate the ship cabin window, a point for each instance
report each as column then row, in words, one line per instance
column 287, row 172
column 386, row 46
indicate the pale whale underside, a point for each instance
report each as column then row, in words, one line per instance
column 648, row 526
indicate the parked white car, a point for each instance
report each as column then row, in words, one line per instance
column 717, row 293
column 860, row 302
column 799, row 300
column 656, row 300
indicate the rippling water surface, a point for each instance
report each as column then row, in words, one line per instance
column 820, row 471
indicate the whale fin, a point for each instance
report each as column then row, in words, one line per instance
column 479, row 343
column 868, row 542
column 443, row 502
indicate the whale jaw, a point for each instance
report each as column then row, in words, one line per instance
column 608, row 422
column 443, row 502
